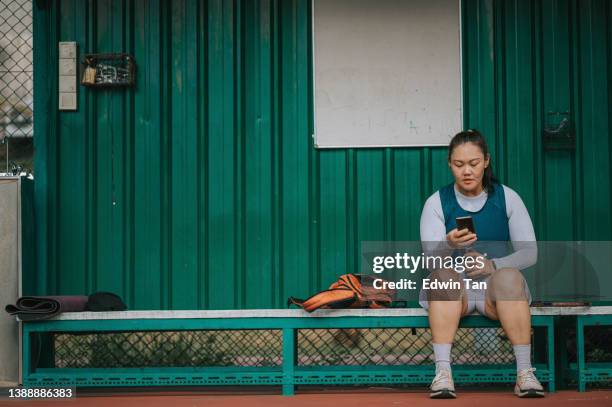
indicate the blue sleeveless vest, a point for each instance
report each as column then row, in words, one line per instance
column 490, row 222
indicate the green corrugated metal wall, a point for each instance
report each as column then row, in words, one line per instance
column 201, row 188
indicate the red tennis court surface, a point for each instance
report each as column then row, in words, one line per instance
column 324, row 398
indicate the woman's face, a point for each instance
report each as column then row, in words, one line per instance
column 468, row 163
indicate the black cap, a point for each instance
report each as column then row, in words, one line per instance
column 104, row 301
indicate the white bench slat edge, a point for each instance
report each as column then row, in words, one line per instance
column 292, row 313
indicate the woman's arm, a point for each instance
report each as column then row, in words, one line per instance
column 433, row 229
column 522, row 234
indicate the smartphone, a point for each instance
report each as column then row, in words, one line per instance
column 465, row 222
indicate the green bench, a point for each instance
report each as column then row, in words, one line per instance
column 590, row 372
column 289, row 373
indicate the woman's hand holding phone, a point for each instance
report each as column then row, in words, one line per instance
column 461, row 238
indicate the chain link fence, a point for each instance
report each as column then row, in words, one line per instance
column 263, row 348
column 169, row 349
column 16, row 85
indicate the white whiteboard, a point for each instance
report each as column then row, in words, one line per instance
column 387, row 73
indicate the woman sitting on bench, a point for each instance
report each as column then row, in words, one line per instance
column 497, row 215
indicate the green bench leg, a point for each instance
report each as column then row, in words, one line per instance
column 289, row 360
column 26, row 353
column 550, row 334
column 580, row 352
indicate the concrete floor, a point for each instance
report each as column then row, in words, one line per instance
column 323, row 398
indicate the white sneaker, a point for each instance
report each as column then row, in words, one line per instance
column 527, row 385
column 442, row 386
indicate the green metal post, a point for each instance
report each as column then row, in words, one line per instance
column 550, row 334
column 289, row 360
column 580, row 352
column 26, row 353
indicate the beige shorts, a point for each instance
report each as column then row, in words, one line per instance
column 476, row 298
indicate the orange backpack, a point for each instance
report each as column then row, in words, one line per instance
column 350, row 291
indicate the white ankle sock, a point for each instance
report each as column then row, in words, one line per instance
column 522, row 353
column 442, row 353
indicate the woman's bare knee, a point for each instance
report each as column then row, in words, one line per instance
column 449, row 285
column 507, row 284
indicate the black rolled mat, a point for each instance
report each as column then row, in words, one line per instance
column 35, row 308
